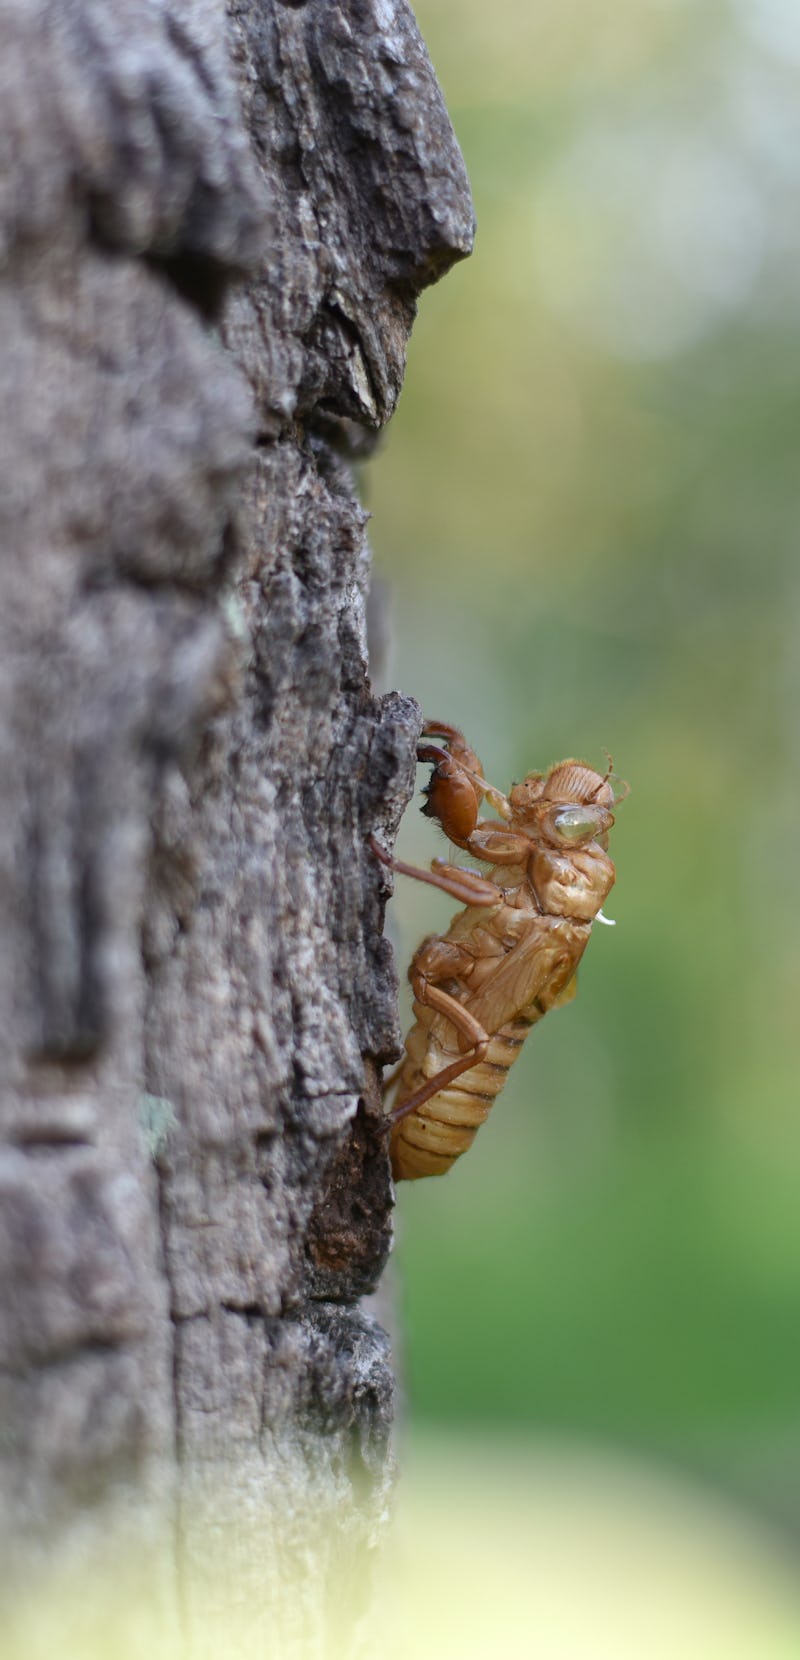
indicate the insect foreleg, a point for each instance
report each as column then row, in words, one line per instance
column 457, row 785
column 456, row 743
column 465, row 1025
column 465, row 759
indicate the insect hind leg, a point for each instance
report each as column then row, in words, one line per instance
column 467, row 1027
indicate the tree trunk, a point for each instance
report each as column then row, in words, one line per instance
column 213, row 234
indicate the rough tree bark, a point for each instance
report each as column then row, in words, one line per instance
column 213, row 229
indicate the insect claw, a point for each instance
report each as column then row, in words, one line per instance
column 610, row 922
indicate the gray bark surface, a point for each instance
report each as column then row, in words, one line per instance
column 213, row 230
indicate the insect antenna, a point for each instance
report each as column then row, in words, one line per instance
column 612, row 777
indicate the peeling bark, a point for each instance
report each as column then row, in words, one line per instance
column 213, row 231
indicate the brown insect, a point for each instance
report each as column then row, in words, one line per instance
column 510, row 955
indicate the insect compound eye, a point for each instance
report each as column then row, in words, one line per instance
column 576, row 824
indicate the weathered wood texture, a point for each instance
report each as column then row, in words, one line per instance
column 212, row 233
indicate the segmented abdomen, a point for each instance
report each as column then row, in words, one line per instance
column 432, row 1137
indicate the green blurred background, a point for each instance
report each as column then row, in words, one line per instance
column 587, row 511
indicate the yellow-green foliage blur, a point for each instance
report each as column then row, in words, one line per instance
column 527, row 1554
column 588, row 510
